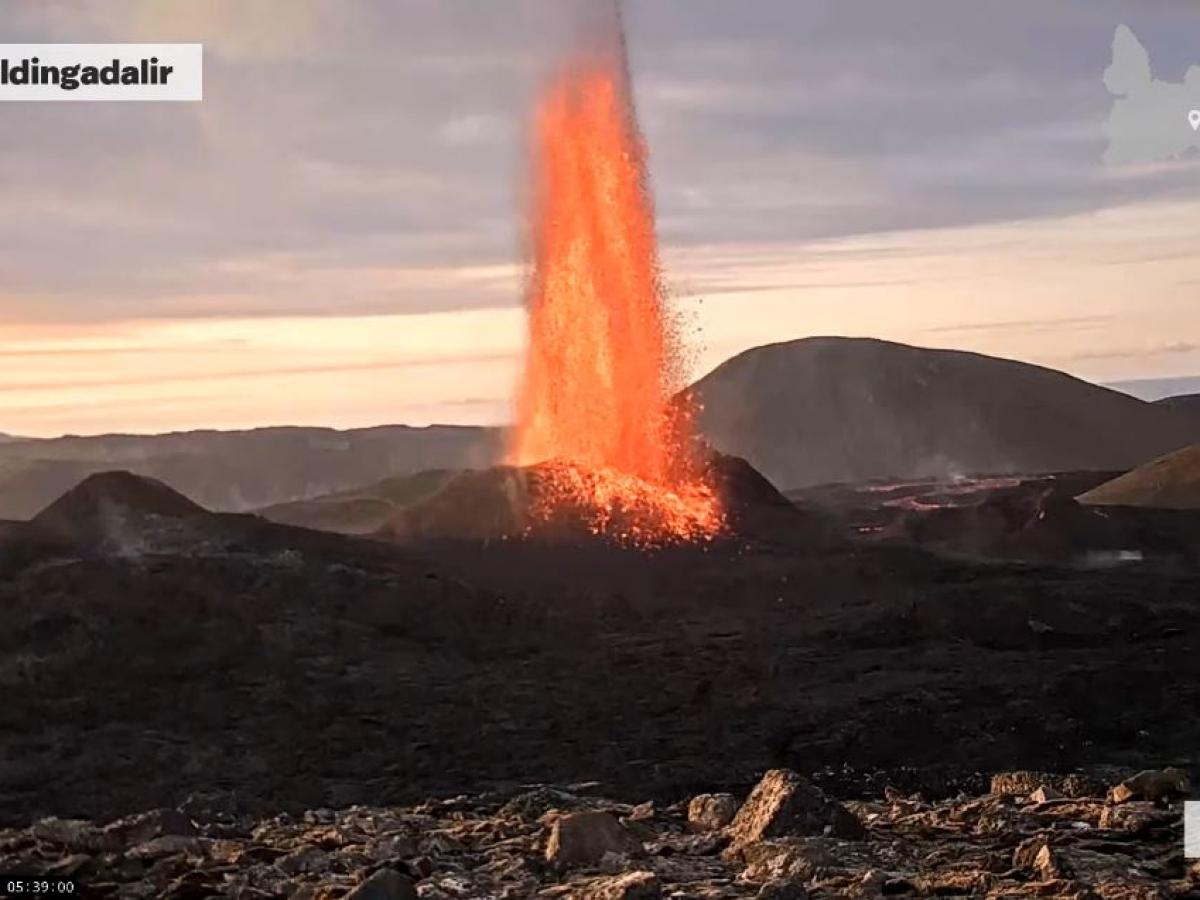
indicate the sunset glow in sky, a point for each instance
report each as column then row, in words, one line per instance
column 335, row 235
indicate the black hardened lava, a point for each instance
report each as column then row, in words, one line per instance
column 287, row 669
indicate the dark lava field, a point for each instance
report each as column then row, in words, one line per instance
column 916, row 636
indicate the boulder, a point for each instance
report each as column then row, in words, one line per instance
column 711, row 812
column 1136, row 817
column 782, row 889
column 1109, row 875
column 147, row 826
column 629, row 886
column 1049, row 864
column 1027, row 853
column 1023, row 783
column 1045, row 794
column 871, row 885
column 583, row 838
column 166, row 845
column 75, row 835
column 1152, row 784
column 386, row 884
column 643, row 812
column 804, row 859
column 784, row 803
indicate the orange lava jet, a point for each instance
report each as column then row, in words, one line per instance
column 603, row 358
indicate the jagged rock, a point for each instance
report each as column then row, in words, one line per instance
column 1000, row 820
column 932, row 848
column 780, row 860
column 224, row 808
column 968, row 883
column 304, row 859
column 630, row 886
column 784, row 803
column 711, row 812
column 672, row 844
column 439, row 844
column 1079, row 786
column 1023, row 783
column 614, row 863
column 1110, row 875
column 583, row 838
column 1045, row 794
column 1025, row 856
column 166, row 845
column 536, row 803
column 643, row 812
column 149, row 825
column 392, row 847
column 420, row 867
column 803, row 859
column 386, row 884
column 1152, row 784
column 870, row 885
column 1135, row 817
column 780, row 889
column 72, row 865
column 1047, row 863
column 74, row 834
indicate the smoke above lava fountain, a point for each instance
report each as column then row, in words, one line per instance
column 604, row 356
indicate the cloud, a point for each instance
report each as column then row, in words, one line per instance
column 929, row 168
column 1142, row 351
column 1025, row 326
column 390, row 134
column 248, row 374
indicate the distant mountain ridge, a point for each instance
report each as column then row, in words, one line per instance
column 830, row 409
column 239, row 470
column 805, row 412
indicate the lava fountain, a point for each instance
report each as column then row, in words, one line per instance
column 604, row 361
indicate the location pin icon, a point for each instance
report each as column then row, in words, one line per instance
column 1194, row 119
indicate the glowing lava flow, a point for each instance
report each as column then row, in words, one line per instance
column 603, row 360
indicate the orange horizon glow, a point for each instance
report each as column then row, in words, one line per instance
column 1007, row 289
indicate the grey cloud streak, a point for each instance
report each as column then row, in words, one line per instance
column 383, row 133
column 248, row 374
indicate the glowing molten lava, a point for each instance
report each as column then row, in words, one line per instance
column 603, row 359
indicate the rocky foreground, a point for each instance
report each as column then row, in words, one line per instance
column 1032, row 835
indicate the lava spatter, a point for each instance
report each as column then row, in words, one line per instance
column 603, row 359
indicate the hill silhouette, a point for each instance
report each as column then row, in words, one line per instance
column 1185, row 403
column 807, row 412
column 115, row 508
column 359, row 510
column 238, row 471
column 1169, row 482
column 830, row 409
column 499, row 503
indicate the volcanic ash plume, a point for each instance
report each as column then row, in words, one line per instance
column 603, row 359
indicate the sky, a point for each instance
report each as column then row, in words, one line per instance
column 335, row 235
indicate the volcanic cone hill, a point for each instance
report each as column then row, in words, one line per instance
column 115, row 508
column 847, row 409
column 360, row 510
column 117, row 516
column 1169, row 482
column 477, row 505
column 499, row 503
